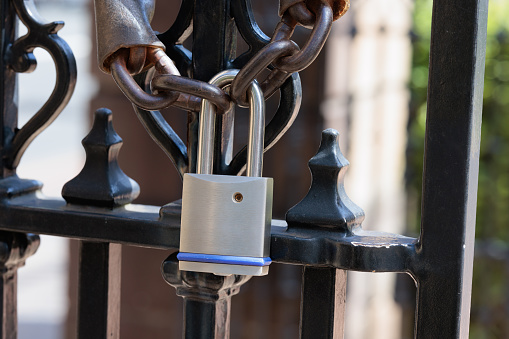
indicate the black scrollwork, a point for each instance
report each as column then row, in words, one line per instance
column 21, row 59
column 249, row 30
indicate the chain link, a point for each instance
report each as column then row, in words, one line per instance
column 132, row 90
column 281, row 55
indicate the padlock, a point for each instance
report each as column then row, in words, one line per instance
column 225, row 225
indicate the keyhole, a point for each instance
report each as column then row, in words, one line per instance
column 237, row 197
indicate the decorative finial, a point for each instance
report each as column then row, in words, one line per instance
column 101, row 182
column 327, row 204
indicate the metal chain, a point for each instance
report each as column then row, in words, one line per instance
column 281, row 54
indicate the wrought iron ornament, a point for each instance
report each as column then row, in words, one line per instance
column 22, row 60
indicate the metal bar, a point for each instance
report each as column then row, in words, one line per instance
column 323, row 301
column 99, row 290
column 126, row 226
column 445, row 252
column 9, row 120
column 214, row 44
column 367, row 252
column 140, row 225
column 207, row 299
column 8, row 88
column 207, row 319
column 14, row 249
column 9, row 295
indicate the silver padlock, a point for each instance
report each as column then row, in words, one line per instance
column 225, row 227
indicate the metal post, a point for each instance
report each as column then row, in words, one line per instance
column 100, row 263
column 7, row 82
column 207, row 299
column 99, row 290
column 214, row 43
column 323, row 301
column 453, row 131
column 14, row 247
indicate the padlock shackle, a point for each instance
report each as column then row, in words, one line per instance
column 254, row 163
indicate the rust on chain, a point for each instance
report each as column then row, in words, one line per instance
column 314, row 44
column 272, row 51
column 194, row 88
column 124, row 24
column 164, row 65
column 282, row 55
column 302, row 15
column 299, row 9
column 133, row 91
column 136, row 60
column 162, row 62
column 169, row 88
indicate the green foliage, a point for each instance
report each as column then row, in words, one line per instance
column 490, row 299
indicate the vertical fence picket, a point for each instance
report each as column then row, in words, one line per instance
column 451, row 164
column 207, row 299
column 100, row 262
column 99, row 290
column 323, row 303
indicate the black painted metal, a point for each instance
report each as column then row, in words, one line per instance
column 207, row 299
column 327, row 205
column 7, row 83
column 101, row 182
column 21, row 59
column 322, row 232
column 323, row 301
column 443, row 267
column 15, row 249
column 99, row 290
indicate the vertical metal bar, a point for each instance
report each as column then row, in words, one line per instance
column 445, row 251
column 9, row 295
column 15, row 248
column 99, row 290
column 210, row 319
column 323, row 300
column 214, row 43
column 8, row 88
column 207, row 299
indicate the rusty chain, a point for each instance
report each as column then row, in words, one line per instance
column 281, row 54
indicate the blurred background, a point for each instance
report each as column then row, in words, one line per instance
column 370, row 84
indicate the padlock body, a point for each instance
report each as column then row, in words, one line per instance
column 225, row 226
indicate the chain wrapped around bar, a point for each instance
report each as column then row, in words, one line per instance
column 130, row 53
column 315, row 13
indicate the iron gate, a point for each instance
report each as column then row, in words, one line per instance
column 322, row 233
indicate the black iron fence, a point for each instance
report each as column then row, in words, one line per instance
column 322, row 233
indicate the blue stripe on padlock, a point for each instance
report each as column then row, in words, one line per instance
column 224, row 259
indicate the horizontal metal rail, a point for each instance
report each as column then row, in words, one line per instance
column 142, row 225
